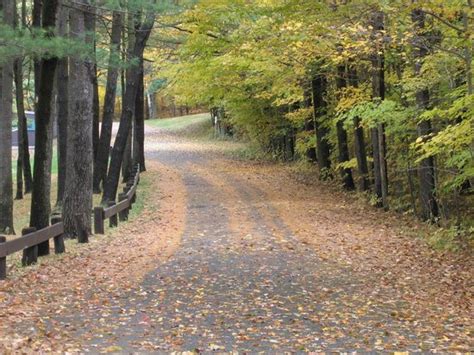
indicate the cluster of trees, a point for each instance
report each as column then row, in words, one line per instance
column 378, row 93
column 56, row 52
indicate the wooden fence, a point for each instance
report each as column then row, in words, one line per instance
column 28, row 242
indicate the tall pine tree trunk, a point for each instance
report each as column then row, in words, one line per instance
column 128, row 109
column 323, row 149
column 426, row 172
column 6, row 180
column 102, row 156
column 40, row 202
column 62, row 79
column 78, row 194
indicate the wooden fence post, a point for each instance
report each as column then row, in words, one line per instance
column 59, row 246
column 123, row 215
column 30, row 255
column 99, row 220
column 113, row 220
column 3, row 261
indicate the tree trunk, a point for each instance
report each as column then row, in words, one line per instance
column 142, row 35
column 20, row 108
column 426, row 172
column 346, row 174
column 6, row 97
column 323, row 149
column 309, row 125
column 359, row 141
column 102, row 156
column 139, row 144
column 90, row 26
column 36, row 23
column 23, row 163
column 127, row 156
column 40, row 201
column 378, row 93
column 78, row 194
column 62, row 79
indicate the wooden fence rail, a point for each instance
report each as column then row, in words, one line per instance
column 30, row 238
column 115, row 211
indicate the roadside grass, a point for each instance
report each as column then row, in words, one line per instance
column 72, row 247
column 21, row 208
column 178, row 123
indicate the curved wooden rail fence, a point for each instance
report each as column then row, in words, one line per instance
column 30, row 237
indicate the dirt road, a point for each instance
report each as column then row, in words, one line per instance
column 267, row 263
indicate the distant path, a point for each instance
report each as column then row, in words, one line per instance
column 242, row 281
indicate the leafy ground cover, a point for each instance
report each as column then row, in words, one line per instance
column 236, row 255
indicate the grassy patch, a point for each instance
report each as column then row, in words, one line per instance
column 72, row 247
column 179, row 123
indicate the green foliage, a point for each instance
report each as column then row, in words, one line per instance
column 256, row 60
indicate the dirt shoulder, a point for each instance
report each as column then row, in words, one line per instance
column 92, row 275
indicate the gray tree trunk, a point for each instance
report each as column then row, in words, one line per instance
column 78, row 194
column 6, row 97
column 62, row 79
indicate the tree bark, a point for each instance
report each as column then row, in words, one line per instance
column 6, row 97
column 36, row 23
column 378, row 93
column 40, row 202
column 62, row 79
column 139, row 144
column 309, row 124
column 102, row 156
column 343, row 149
column 426, row 172
column 23, row 162
column 127, row 156
column 90, row 28
column 359, row 141
column 323, row 149
column 142, row 35
column 127, row 163
column 78, row 194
